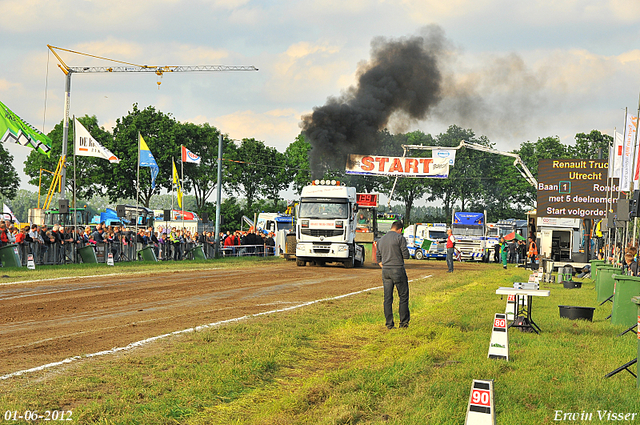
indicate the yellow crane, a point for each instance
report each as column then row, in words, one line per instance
column 122, row 67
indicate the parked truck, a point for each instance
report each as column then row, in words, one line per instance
column 470, row 231
column 426, row 240
column 326, row 225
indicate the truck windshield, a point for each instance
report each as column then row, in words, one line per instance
column 323, row 210
column 285, row 226
column 467, row 231
column 437, row 234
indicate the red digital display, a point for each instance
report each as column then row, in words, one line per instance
column 367, row 199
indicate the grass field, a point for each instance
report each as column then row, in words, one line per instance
column 335, row 363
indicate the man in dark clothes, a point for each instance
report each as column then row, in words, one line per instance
column 390, row 255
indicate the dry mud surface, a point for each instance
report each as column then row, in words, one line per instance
column 47, row 321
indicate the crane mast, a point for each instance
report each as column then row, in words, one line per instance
column 123, row 67
column 518, row 163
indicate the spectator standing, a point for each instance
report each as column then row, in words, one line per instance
column 4, row 236
column 512, row 251
column 390, row 255
column 504, row 252
column 532, row 253
column 451, row 244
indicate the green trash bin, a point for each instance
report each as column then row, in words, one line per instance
column 624, row 311
column 636, row 300
column 197, row 253
column 88, row 254
column 594, row 267
column 148, row 253
column 9, row 256
column 604, row 282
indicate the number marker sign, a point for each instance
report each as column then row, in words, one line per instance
column 511, row 307
column 480, row 410
column 31, row 265
column 499, row 346
column 110, row 259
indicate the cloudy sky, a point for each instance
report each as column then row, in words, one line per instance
column 514, row 71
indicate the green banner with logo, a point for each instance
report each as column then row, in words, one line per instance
column 14, row 130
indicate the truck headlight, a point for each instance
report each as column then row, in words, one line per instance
column 342, row 248
column 300, row 247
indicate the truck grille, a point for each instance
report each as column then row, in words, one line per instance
column 327, row 233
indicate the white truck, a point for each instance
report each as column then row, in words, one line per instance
column 426, row 240
column 326, row 225
column 280, row 224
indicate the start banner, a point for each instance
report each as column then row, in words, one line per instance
column 373, row 165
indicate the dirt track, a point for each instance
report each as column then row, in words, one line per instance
column 44, row 322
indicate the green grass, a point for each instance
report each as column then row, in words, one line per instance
column 19, row 274
column 335, row 363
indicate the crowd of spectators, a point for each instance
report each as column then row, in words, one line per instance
column 59, row 244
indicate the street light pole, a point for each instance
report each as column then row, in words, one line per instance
column 219, row 197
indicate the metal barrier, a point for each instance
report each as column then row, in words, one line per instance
column 125, row 251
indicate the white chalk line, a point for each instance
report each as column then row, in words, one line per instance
column 97, row 275
column 184, row 331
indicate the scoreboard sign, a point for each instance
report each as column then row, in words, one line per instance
column 574, row 188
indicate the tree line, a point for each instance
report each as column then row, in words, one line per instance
column 255, row 175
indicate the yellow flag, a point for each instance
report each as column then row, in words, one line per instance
column 176, row 181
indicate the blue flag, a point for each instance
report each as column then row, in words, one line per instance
column 147, row 160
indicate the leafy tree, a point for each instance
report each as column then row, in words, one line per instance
column 247, row 176
column 203, row 141
column 297, row 160
column 544, row 148
column 591, row 146
column 465, row 182
column 278, row 177
column 89, row 170
column 406, row 190
column 9, row 180
column 159, row 131
column 22, row 202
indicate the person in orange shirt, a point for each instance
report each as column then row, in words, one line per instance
column 533, row 252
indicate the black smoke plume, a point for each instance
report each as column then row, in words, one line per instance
column 402, row 79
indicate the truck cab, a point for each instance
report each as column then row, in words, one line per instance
column 426, row 240
column 326, row 226
column 469, row 229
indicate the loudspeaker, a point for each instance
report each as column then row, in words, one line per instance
column 120, row 210
column 167, row 215
column 622, row 212
column 205, row 217
column 63, row 206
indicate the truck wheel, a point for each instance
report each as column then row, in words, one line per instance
column 419, row 255
column 301, row 263
column 350, row 262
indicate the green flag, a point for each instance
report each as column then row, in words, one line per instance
column 13, row 129
column 426, row 244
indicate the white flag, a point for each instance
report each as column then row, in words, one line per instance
column 86, row 145
column 627, row 153
column 7, row 211
column 616, row 155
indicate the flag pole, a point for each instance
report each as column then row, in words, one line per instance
column 182, row 186
column 173, row 187
column 137, row 192
column 75, row 214
column 635, row 173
